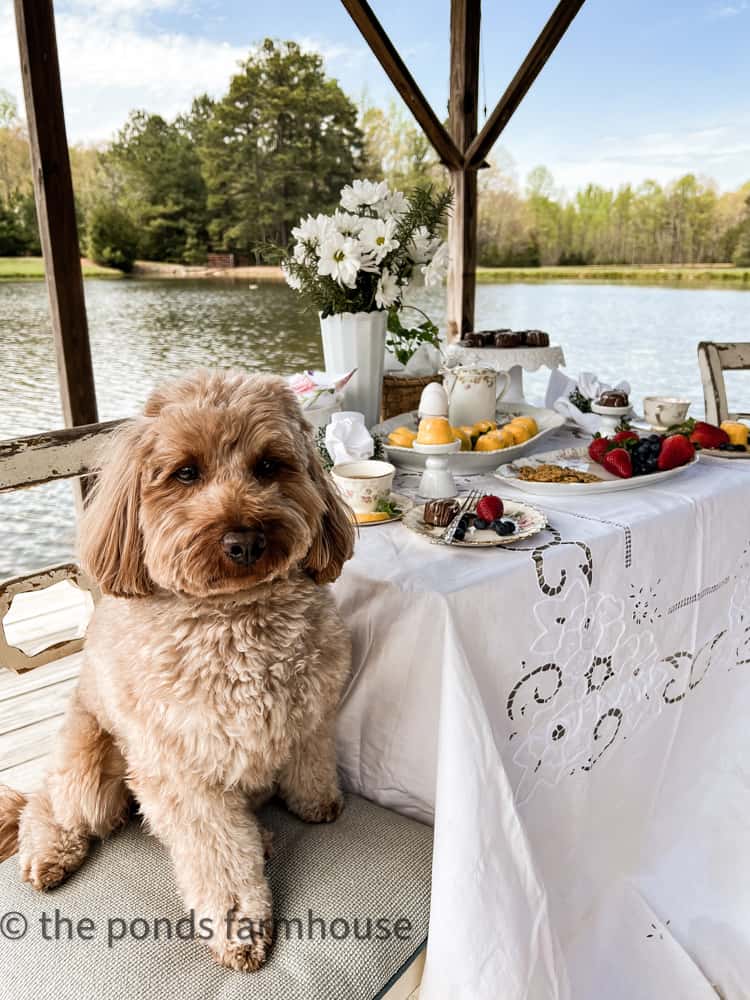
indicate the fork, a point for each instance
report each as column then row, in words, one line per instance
column 449, row 533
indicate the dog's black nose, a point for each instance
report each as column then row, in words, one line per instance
column 245, row 545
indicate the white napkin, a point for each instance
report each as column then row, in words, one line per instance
column 347, row 438
column 560, row 387
column 426, row 360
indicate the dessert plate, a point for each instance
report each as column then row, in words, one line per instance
column 578, row 459
column 529, row 521
column 470, row 463
column 403, row 503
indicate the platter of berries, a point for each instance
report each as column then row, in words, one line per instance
column 624, row 461
column 491, row 521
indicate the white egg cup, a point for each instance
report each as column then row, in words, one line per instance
column 437, row 479
column 612, row 417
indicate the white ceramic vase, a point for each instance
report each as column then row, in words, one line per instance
column 357, row 340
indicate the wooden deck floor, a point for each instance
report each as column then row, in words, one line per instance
column 31, row 710
column 32, row 704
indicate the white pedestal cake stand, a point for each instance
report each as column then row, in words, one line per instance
column 514, row 360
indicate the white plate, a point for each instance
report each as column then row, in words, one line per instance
column 718, row 453
column 578, row 459
column 404, row 503
column 470, row 463
column 529, row 521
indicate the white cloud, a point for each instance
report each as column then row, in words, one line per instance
column 729, row 9
column 110, row 63
column 717, row 150
column 114, row 59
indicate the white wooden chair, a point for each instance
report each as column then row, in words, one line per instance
column 713, row 361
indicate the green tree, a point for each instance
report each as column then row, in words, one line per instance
column 112, row 237
column 396, row 150
column 281, row 143
column 545, row 214
column 161, row 186
column 742, row 250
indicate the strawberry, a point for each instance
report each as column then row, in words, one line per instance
column 599, row 448
column 618, row 461
column 625, row 436
column 708, row 435
column 489, row 508
column 676, row 450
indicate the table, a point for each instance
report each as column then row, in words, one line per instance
column 572, row 713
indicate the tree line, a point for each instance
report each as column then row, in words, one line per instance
column 236, row 173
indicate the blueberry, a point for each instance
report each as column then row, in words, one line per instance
column 504, row 527
column 480, row 524
column 655, row 438
column 459, row 534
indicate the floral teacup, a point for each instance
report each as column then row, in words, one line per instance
column 363, row 484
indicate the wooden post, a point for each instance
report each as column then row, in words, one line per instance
column 463, row 114
column 55, row 207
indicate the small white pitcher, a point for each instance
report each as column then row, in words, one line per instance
column 473, row 393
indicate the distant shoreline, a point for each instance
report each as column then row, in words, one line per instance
column 689, row 275
column 647, row 274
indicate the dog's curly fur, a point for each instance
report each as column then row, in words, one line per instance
column 206, row 684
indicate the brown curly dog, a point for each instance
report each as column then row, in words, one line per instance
column 214, row 666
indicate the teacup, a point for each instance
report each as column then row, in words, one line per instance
column 664, row 411
column 363, row 484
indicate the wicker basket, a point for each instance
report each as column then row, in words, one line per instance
column 401, row 393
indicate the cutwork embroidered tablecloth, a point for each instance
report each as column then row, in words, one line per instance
column 573, row 712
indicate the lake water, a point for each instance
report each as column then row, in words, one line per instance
column 145, row 331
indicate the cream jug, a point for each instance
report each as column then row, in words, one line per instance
column 473, row 393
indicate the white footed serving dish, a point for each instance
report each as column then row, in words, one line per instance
column 470, row 463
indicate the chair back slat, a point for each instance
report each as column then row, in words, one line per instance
column 713, row 360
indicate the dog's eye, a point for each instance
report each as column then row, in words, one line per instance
column 186, row 474
column 265, row 468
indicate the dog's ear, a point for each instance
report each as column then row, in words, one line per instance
column 333, row 542
column 111, row 542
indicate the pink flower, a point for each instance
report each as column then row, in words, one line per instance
column 303, row 383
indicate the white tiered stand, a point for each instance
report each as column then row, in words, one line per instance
column 514, row 360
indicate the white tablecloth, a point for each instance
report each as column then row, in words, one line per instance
column 574, row 714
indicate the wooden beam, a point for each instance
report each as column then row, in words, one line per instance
column 388, row 57
column 55, row 206
column 463, row 116
column 530, row 69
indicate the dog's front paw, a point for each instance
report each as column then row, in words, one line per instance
column 245, row 955
column 324, row 811
column 244, row 932
column 46, row 865
column 47, row 852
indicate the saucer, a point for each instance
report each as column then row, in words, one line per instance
column 403, row 503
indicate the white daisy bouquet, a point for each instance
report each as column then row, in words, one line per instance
column 364, row 256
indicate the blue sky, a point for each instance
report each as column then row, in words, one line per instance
column 636, row 89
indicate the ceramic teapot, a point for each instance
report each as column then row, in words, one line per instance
column 473, row 393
